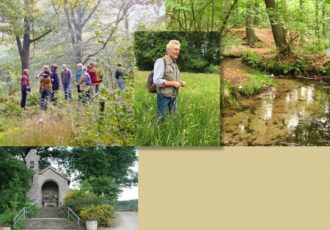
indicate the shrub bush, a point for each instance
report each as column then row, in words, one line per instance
column 11, row 107
column 7, row 217
column 213, row 69
column 77, row 200
column 33, row 99
column 102, row 213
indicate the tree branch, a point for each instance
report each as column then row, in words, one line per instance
column 41, row 36
column 101, row 48
column 120, row 17
column 91, row 13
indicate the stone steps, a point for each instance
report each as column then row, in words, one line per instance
column 48, row 224
column 49, row 213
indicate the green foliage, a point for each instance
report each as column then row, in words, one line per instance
column 198, row 50
column 256, row 83
column 198, row 108
column 11, row 107
column 228, row 96
column 298, row 66
column 33, row 99
column 259, row 82
column 79, row 199
column 193, row 15
column 215, row 69
column 90, row 206
column 7, row 216
column 70, row 123
column 111, row 162
column 102, row 185
column 102, row 213
column 14, row 183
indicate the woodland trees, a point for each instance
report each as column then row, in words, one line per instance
column 294, row 24
column 23, row 21
column 87, row 25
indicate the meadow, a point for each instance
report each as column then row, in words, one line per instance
column 68, row 123
column 198, row 122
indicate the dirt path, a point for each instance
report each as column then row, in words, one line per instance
column 234, row 71
column 264, row 47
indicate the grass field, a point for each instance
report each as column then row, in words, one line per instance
column 69, row 123
column 198, row 121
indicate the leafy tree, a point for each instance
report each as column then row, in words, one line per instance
column 114, row 162
column 193, row 15
column 23, row 20
column 14, row 183
column 102, row 185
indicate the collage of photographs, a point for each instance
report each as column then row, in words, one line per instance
column 86, row 84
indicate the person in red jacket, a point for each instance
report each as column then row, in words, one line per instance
column 92, row 71
column 25, row 87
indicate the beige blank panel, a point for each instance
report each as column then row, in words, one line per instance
column 234, row 188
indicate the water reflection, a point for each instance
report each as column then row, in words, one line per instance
column 292, row 113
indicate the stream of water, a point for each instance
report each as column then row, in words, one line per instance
column 293, row 112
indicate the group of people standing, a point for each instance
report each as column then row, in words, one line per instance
column 87, row 79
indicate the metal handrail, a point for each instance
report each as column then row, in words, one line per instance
column 71, row 213
column 19, row 215
column 24, row 211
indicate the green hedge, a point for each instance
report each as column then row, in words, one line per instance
column 199, row 50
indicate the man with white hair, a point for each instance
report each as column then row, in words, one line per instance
column 66, row 76
column 167, row 81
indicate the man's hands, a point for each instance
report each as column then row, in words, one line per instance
column 183, row 83
column 176, row 84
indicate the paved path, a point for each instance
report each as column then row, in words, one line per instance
column 124, row 221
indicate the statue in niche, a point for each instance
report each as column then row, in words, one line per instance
column 50, row 199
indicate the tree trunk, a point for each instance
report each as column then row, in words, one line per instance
column 317, row 26
column 301, row 14
column 324, row 33
column 278, row 31
column 251, row 37
column 257, row 13
column 24, row 49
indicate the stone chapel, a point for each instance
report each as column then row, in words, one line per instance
column 49, row 187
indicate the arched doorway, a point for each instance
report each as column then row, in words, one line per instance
column 50, row 194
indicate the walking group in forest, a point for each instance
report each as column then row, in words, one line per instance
column 87, row 80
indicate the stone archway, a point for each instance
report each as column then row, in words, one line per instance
column 50, row 194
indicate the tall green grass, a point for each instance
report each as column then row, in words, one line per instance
column 70, row 123
column 198, row 121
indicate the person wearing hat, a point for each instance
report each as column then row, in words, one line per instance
column 45, row 89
